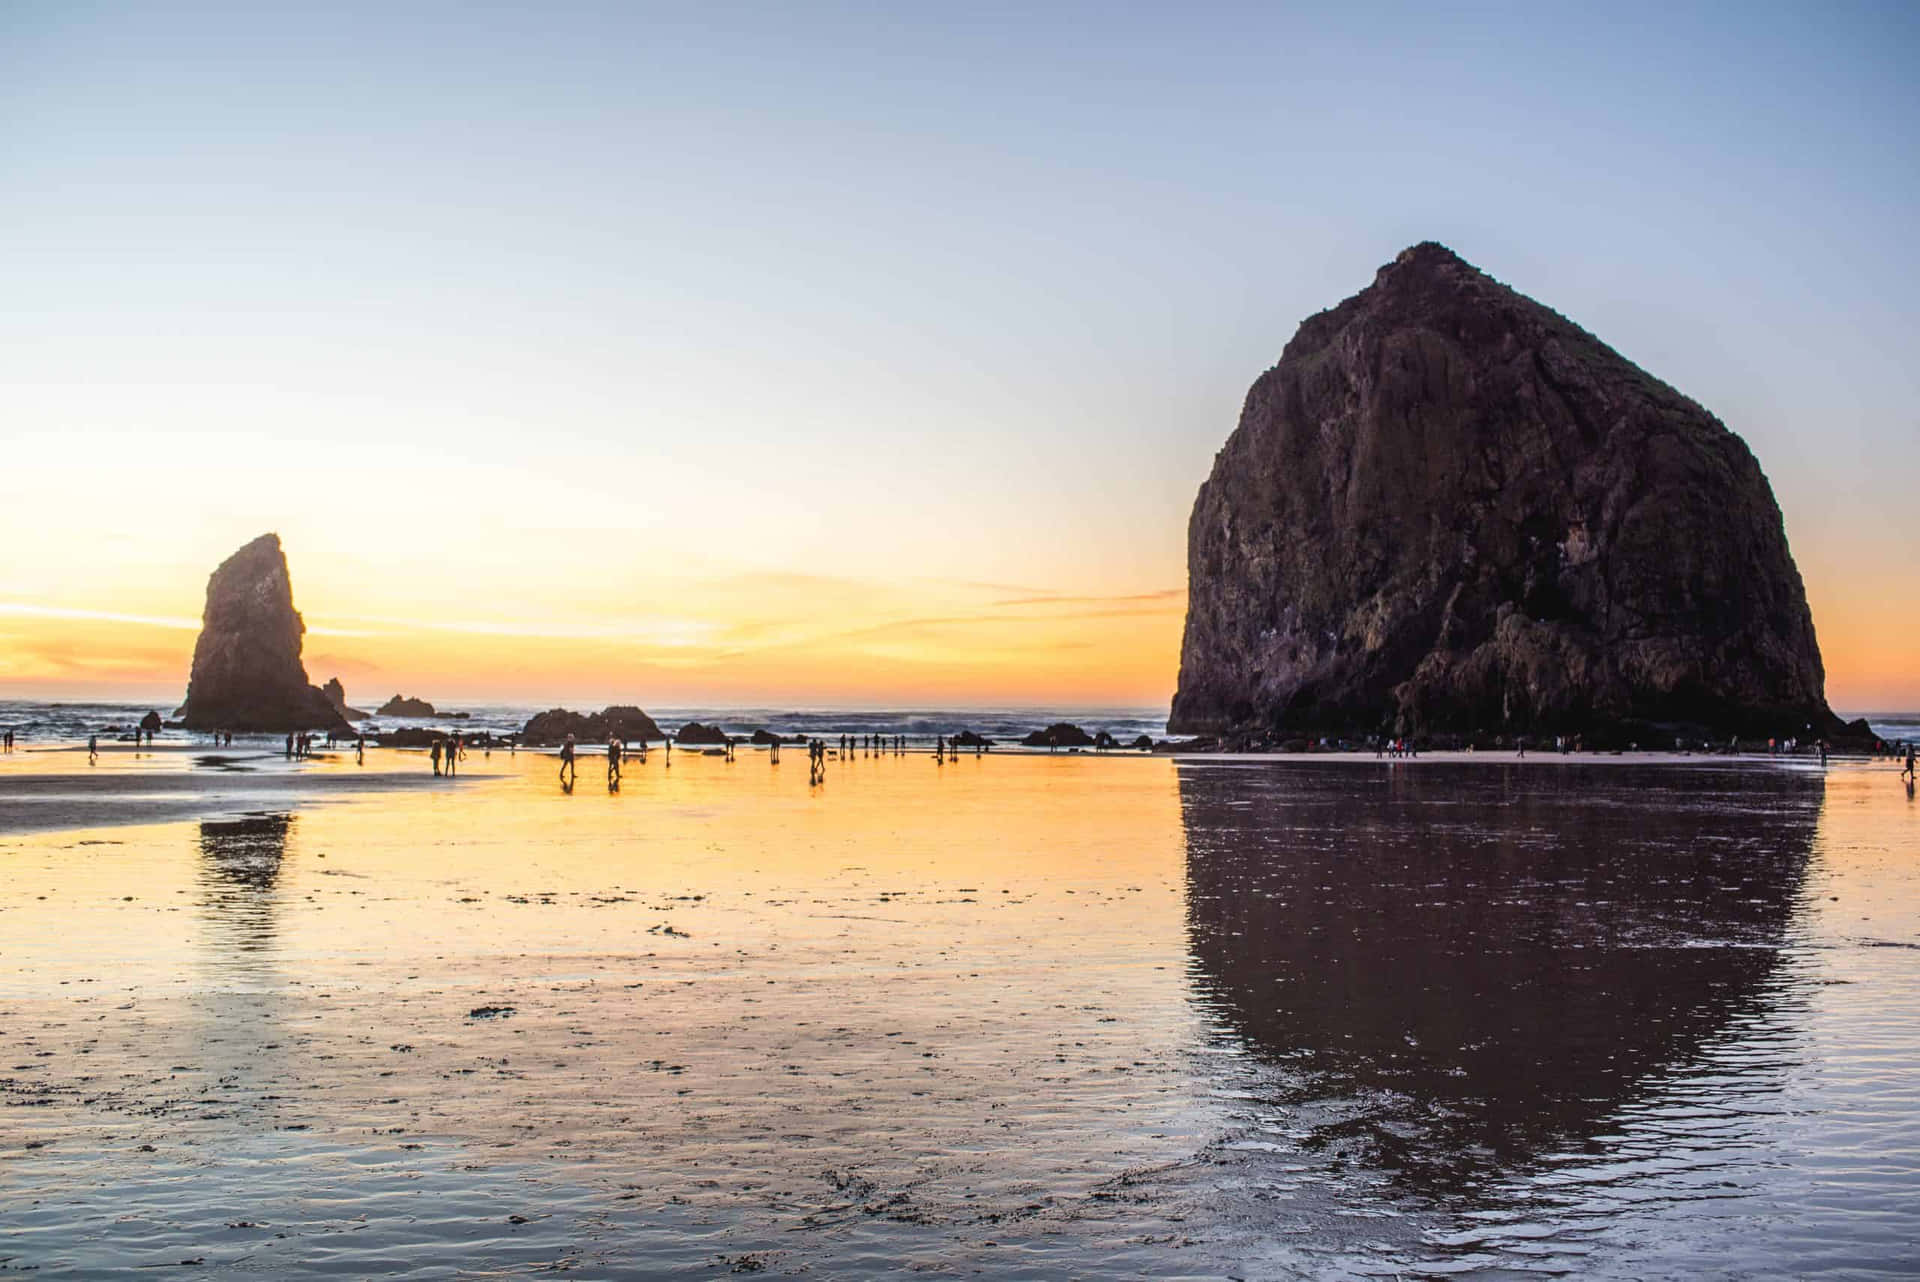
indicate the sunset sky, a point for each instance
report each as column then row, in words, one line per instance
column 819, row 353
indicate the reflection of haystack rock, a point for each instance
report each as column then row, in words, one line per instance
column 240, row 862
column 247, row 673
column 246, row 852
column 1457, row 977
column 1448, row 508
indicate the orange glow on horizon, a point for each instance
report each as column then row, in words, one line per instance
column 813, row 642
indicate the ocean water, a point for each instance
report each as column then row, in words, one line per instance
column 70, row 722
column 1021, row 1016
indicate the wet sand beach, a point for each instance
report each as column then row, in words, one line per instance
column 1021, row 1016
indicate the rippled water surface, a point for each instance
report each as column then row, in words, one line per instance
column 1028, row 1017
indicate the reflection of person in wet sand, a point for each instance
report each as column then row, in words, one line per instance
column 566, row 762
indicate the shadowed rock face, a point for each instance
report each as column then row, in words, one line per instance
column 1449, row 508
column 247, row 673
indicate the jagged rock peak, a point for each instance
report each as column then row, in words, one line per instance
column 1449, row 508
column 247, row 673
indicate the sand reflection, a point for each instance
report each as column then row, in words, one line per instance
column 238, row 879
column 1454, row 974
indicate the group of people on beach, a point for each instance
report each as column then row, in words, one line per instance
column 449, row 752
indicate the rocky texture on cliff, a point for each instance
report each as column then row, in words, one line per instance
column 620, row 721
column 1450, row 509
column 247, row 673
column 337, row 696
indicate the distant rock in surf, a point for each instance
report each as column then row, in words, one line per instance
column 402, row 706
column 1449, row 509
column 623, row 721
column 1059, row 735
column 695, row 733
column 337, row 696
column 151, row 722
column 247, row 674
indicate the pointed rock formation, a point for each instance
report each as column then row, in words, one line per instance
column 337, row 696
column 1450, row 509
column 247, row 673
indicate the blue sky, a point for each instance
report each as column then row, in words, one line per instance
column 991, row 278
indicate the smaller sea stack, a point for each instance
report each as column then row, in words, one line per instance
column 247, row 674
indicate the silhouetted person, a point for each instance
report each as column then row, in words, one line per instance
column 566, row 762
column 613, row 763
column 434, row 752
column 453, row 753
column 289, row 747
column 1908, row 772
column 93, row 748
column 360, row 751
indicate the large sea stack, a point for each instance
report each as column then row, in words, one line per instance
column 247, row 673
column 1451, row 510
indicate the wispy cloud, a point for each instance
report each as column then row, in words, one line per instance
column 28, row 610
column 662, row 632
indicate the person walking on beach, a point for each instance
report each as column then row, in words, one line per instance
column 613, row 763
column 566, row 762
column 93, row 748
column 434, row 752
column 1908, row 772
column 360, row 751
column 453, row 753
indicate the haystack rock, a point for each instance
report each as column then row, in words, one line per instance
column 247, row 673
column 1449, row 509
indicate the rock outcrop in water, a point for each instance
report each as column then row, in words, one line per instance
column 402, row 706
column 247, row 673
column 1450, row 509
column 628, row 723
column 1060, row 734
column 337, row 696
